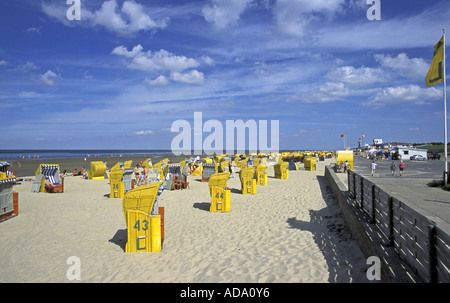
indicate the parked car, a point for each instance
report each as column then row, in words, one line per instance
column 418, row 158
column 434, row 156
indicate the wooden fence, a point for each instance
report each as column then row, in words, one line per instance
column 419, row 242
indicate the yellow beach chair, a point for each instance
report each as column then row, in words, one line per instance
column 260, row 175
column 310, row 163
column 281, row 170
column 220, row 195
column 97, row 170
column 9, row 200
column 145, row 224
column 248, row 184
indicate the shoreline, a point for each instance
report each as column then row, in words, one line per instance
column 29, row 166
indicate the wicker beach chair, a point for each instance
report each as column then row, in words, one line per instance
column 248, row 183
column 144, row 218
column 281, row 170
column 219, row 192
column 97, row 170
column 48, row 176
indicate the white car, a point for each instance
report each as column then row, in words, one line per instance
column 418, row 158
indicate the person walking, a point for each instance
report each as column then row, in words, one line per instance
column 401, row 166
column 393, row 167
column 374, row 167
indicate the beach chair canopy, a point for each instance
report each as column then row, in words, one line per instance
column 4, row 166
column 218, row 180
column 142, row 198
column 50, row 172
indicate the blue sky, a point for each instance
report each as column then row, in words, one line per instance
column 120, row 76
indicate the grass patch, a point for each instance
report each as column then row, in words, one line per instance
column 436, row 183
column 439, row 183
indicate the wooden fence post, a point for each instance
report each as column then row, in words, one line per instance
column 432, row 253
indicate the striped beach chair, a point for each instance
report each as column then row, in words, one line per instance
column 9, row 201
column 49, row 177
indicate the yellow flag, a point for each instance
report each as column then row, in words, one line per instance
column 435, row 73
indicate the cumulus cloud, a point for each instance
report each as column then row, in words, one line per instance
column 161, row 60
column 127, row 19
column 193, row 77
column 223, row 13
column 356, row 76
column 159, row 81
column 331, row 91
column 401, row 94
column 48, row 78
column 403, row 65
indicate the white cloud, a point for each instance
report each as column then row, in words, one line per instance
column 293, row 16
column 144, row 132
column 3, row 62
column 128, row 19
column 34, row 30
column 194, row 77
column 48, row 78
column 208, row 60
column 407, row 93
column 160, row 81
column 331, row 91
column 223, row 13
column 403, row 65
column 356, row 76
column 150, row 61
column 26, row 67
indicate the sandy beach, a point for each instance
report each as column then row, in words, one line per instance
column 290, row 231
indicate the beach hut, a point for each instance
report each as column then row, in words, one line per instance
column 220, row 194
column 97, row 170
column 144, row 218
column 47, row 179
column 9, row 200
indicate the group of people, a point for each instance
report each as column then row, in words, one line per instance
column 401, row 167
column 141, row 174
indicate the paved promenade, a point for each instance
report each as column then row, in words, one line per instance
column 411, row 188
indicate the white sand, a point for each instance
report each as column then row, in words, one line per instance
column 290, row 231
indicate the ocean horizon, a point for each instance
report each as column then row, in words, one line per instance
column 32, row 154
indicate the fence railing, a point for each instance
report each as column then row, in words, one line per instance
column 419, row 242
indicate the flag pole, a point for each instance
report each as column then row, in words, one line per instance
column 445, row 117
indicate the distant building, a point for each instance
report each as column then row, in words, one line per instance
column 406, row 153
column 377, row 141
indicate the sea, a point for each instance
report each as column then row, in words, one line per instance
column 17, row 155
column 30, row 154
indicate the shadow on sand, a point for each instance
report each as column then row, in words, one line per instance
column 332, row 237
